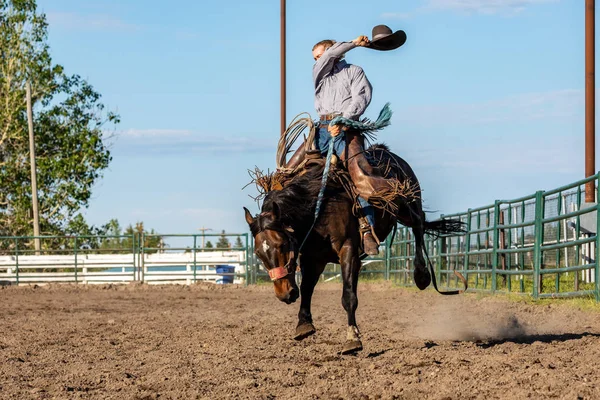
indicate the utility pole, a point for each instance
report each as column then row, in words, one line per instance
column 590, row 103
column 203, row 229
column 34, row 198
column 282, row 51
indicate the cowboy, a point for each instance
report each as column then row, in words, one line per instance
column 343, row 89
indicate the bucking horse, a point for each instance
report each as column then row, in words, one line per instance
column 287, row 236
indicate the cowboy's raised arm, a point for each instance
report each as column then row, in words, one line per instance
column 361, row 95
column 325, row 63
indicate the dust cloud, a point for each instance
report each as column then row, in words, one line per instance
column 451, row 321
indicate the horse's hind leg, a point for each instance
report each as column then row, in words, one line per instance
column 310, row 276
column 350, row 263
column 421, row 275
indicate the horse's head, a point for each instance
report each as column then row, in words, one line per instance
column 275, row 246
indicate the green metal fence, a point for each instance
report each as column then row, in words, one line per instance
column 543, row 245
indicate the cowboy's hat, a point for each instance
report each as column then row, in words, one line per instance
column 384, row 39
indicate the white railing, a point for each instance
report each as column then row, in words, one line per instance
column 183, row 268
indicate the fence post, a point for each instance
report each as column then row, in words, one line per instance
column 495, row 242
column 136, row 258
column 17, row 259
column 75, row 254
column 409, row 261
column 247, row 260
column 467, row 246
column 439, row 241
column 388, row 253
column 539, row 236
column 142, row 241
column 597, row 256
column 195, row 250
column 136, row 243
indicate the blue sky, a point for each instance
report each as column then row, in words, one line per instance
column 488, row 96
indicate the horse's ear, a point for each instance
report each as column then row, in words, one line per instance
column 249, row 218
column 276, row 211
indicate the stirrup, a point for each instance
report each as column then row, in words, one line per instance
column 369, row 244
column 365, row 228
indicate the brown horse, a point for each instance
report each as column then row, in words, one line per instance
column 287, row 218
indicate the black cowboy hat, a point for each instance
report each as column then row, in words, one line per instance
column 384, row 39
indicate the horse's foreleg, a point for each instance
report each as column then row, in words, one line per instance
column 310, row 276
column 350, row 263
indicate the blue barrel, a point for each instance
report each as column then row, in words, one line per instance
column 225, row 269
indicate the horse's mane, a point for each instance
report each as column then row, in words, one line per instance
column 296, row 201
column 298, row 198
column 379, row 146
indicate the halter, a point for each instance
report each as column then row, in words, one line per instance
column 282, row 272
column 290, row 266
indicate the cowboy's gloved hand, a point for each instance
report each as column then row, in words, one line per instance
column 361, row 41
column 334, row 130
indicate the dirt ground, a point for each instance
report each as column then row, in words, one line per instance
column 211, row 341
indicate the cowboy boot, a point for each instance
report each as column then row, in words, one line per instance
column 367, row 179
column 369, row 241
column 297, row 158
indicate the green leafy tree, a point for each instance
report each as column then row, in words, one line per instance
column 112, row 243
column 125, row 240
column 70, row 125
column 152, row 242
column 209, row 245
column 223, row 242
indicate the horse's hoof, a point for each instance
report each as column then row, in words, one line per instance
column 352, row 346
column 422, row 279
column 305, row 330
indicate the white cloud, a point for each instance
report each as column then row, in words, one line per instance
column 185, row 141
column 559, row 104
column 76, row 21
column 553, row 155
column 156, row 132
column 513, row 147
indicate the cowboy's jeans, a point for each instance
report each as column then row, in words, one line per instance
column 322, row 140
column 368, row 210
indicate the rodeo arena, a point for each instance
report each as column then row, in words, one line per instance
column 341, row 287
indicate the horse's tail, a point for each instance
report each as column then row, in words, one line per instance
column 444, row 227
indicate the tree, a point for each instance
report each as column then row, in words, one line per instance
column 209, row 245
column 223, row 242
column 238, row 243
column 69, row 122
column 153, row 243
